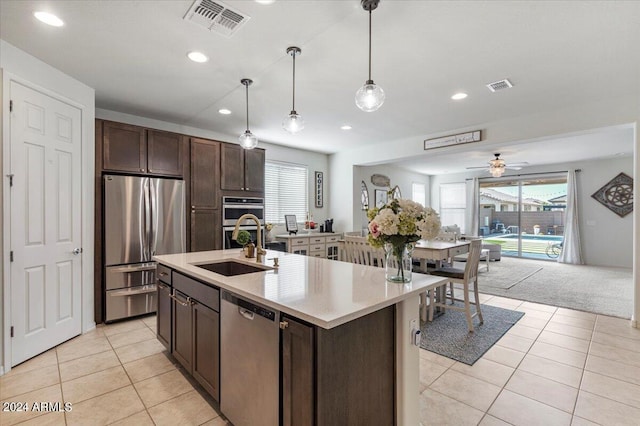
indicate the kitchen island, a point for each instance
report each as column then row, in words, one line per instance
column 345, row 344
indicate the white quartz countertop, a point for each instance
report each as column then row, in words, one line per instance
column 309, row 234
column 324, row 292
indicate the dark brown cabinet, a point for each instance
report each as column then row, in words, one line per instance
column 134, row 149
column 205, row 227
column 297, row 373
column 164, row 315
column 196, row 331
column 242, row 170
column 334, row 377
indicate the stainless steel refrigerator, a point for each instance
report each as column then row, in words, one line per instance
column 142, row 217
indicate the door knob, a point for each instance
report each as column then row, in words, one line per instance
column 77, row 250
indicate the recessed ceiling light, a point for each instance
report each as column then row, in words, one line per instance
column 459, row 96
column 346, row 127
column 197, row 57
column 48, row 18
column 224, row 111
column 265, row 1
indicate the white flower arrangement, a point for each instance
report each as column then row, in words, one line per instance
column 400, row 222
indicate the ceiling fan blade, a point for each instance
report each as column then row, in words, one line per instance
column 513, row 167
column 480, row 167
column 522, row 163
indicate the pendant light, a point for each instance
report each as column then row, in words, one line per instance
column 293, row 122
column 247, row 139
column 369, row 97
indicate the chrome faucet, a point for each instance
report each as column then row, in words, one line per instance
column 259, row 250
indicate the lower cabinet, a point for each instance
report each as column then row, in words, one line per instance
column 196, row 330
column 163, row 317
column 344, row 375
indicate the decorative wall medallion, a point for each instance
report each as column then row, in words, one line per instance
column 364, row 196
column 380, row 180
column 617, row 195
column 319, row 191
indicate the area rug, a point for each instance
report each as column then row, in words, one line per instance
column 506, row 278
column 596, row 289
column 449, row 336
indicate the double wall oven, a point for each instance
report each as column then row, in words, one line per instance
column 232, row 209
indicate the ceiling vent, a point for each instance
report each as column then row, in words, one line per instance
column 499, row 85
column 216, row 16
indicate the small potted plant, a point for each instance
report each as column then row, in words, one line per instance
column 244, row 239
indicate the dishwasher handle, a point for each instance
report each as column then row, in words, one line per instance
column 245, row 313
column 247, row 308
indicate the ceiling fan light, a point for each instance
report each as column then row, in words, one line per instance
column 293, row 123
column 496, row 171
column 248, row 140
column 370, row 97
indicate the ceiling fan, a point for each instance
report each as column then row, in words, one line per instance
column 497, row 166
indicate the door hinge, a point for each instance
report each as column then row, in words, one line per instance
column 11, row 256
column 10, row 180
column 10, row 106
column 11, row 331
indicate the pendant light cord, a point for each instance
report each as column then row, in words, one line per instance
column 247, row 97
column 294, row 81
column 369, row 44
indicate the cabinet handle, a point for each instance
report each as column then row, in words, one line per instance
column 163, row 274
column 284, row 324
column 246, row 189
column 142, row 170
column 187, row 303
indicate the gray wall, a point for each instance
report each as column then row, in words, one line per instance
column 607, row 239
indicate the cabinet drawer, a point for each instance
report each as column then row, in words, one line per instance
column 457, row 250
column 316, row 247
column 332, row 239
column 316, row 240
column 164, row 274
column 203, row 293
column 299, row 241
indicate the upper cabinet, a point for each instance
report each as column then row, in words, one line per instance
column 205, row 176
column 134, row 149
column 242, row 170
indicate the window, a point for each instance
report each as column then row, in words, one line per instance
column 285, row 191
column 419, row 193
column 453, row 202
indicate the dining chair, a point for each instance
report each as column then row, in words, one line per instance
column 467, row 277
column 358, row 250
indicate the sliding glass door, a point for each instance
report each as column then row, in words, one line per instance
column 524, row 215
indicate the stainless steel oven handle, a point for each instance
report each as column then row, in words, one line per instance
column 120, row 293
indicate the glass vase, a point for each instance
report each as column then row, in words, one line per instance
column 397, row 265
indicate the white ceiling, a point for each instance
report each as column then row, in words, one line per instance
column 557, row 54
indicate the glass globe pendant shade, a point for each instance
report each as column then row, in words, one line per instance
column 293, row 123
column 496, row 171
column 248, row 140
column 370, row 97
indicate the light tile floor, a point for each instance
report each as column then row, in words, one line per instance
column 556, row 366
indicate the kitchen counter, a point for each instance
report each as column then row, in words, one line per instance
column 308, row 234
column 345, row 304
column 322, row 292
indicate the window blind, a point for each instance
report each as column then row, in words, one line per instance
column 419, row 193
column 285, row 191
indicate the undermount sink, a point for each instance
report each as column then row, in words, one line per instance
column 231, row 268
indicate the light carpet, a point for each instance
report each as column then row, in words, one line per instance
column 601, row 290
column 449, row 336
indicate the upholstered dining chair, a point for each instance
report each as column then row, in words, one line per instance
column 467, row 277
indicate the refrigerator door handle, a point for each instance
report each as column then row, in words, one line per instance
column 154, row 187
column 147, row 220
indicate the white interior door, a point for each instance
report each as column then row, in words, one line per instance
column 45, row 222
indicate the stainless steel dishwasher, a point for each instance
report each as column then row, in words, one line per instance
column 249, row 362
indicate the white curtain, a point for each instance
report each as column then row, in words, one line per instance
column 571, row 251
column 473, row 190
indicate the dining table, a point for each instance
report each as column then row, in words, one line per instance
column 437, row 252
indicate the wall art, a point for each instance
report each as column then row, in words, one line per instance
column 617, row 195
